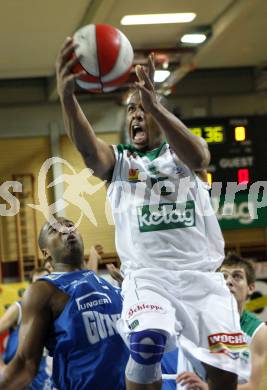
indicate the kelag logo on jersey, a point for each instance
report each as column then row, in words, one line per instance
column 166, row 216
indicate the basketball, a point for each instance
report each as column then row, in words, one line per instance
column 106, row 55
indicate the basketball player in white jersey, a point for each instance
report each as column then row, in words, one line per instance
column 167, row 236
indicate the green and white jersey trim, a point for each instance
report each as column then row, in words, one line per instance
column 151, row 154
column 250, row 324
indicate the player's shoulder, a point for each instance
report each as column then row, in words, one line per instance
column 38, row 295
column 259, row 341
column 261, row 334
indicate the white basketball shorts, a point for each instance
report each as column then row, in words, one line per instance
column 195, row 306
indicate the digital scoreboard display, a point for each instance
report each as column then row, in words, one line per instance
column 212, row 134
column 238, row 147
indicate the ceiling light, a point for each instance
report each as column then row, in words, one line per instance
column 158, row 18
column 194, row 39
column 161, row 75
column 165, row 64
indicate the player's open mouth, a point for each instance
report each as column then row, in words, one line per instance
column 138, row 134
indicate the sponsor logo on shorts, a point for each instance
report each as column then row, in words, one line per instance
column 231, row 344
column 134, row 324
column 143, row 308
column 166, row 216
column 245, row 356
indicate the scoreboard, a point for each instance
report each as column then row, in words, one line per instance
column 238, row 147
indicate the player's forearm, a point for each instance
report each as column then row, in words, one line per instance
column 17, row 375
column 186, row 145
column 77, row 126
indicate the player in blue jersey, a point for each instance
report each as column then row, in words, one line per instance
column 73, row 313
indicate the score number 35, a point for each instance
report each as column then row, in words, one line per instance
column 212, row 134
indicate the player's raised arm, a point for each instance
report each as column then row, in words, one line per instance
column 36, row 321
column 192, row 150
column 96, row 153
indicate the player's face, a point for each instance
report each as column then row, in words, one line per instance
column 65, row 243
column 144, row 132
column 237, row 283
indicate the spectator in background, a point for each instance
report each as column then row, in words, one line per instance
column 240, row 277
column 11, row 321
column 95, row 255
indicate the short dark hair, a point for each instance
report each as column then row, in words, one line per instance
column 233, row 259
column 37, row 270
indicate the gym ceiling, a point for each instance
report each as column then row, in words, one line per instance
column 32, row 31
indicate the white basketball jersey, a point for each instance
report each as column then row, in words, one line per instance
column 162, row 213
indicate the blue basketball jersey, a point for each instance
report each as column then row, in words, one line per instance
column 43, row 380
column 87, row 351
column 11, row 346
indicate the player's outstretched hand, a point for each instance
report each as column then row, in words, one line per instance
column 145, row 84
column 191, row 381
column 64, row 64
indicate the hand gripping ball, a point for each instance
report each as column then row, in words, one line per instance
column 105, row 54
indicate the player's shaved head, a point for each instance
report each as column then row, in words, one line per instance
column 42, row 236
column 60, row 242
column 44, row 230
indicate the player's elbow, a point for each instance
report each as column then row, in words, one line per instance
column 200, row 162
column 32, row 368
column 29, row 367
column 25, row 371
